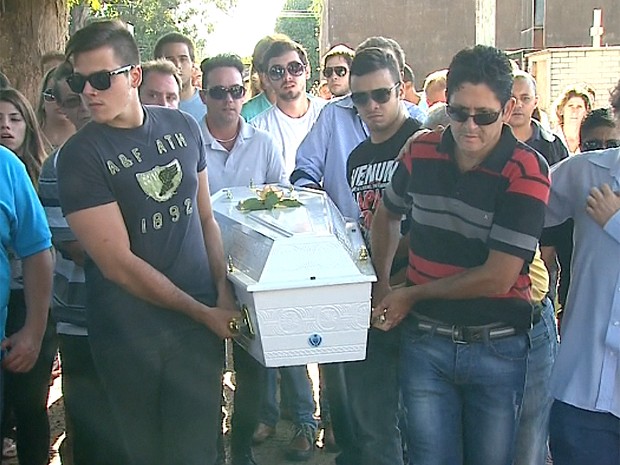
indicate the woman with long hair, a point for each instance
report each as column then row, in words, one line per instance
column 25, row 394
column 20, row 131
column 55, row 125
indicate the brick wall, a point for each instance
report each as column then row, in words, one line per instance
column 557, row 68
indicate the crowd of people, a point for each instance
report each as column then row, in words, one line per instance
column 480, row 250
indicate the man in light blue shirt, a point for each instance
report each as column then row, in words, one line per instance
column 585, row 382
column 237, row 153
column 179, row 49
column 322, row 156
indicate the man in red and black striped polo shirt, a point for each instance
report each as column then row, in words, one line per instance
column 477, row 199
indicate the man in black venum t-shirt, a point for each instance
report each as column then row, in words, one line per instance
column 133, row 186
column 376, row 93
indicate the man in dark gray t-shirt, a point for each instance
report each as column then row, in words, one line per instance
column 133, row 186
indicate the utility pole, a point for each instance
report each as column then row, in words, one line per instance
column 486, row 12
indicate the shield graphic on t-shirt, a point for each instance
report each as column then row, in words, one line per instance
column 161, row 182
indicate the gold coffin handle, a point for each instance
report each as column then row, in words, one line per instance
column 235, row 325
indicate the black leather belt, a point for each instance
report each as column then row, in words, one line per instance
column 468, row 334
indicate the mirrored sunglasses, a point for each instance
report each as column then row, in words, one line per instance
column 340, row 71
column 461, row 115
column 48, row 95
column 101, row 80
column 221, row 93
column 294, row 68
column 598, row 144
column 381, row 95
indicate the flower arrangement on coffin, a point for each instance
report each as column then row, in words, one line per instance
column 268, row 198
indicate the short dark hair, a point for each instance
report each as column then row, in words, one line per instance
column 340, row 50
column 63, row 71
column 481, row 64
column 173, row 38
column 280, row 47
column 374, row 59
column 4, row 81
column 601, row 117
column 107, row 33
column 162, row 66
column 261, row 47
column 408, row 75
column 387, row 44
column 224, row 60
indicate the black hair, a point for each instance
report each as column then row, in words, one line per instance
column 387, row 44
column 374, row 59
column 4, row 81
column 63, row 71
column 280, row 47
column 481, row 65
column 173, row 38
column 408, row 75
column 340, row 50
column 108, row 33
column 601, row 117
column 219, row 61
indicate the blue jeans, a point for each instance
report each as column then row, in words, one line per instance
column 462, row 400
column 296, row 382
column 531, row 446
column 583, row 437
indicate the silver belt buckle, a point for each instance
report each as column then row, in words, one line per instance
column 455, row 338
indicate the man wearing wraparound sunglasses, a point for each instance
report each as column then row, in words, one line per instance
column 237, row 155
column 133, row 186
column 336, row 65
column 377, row 94
column 477, row 198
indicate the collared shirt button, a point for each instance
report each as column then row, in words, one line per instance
column 616, row 323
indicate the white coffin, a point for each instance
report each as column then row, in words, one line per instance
column 302, row 276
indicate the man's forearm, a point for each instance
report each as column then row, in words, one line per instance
column 385, row 237
column 38, row 270
column 495, row 277
column 215, row 250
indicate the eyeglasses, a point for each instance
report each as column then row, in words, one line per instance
column 598, row 144
column 294, row 68
column 381, row 95
column 220, row 92
column 461, row 115
column 101, row 80
column 340, row 71
column 48, row 95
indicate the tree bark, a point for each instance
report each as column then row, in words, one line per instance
column 28, row 30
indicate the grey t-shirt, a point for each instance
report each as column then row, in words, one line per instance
column 151, row 172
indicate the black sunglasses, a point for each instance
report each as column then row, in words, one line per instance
column 598, row 144
column 220, row 92
column 461, row 115
column 294, row 68
column 48, row 95
column 101, row 80
column 340, row 71
column 381, row 95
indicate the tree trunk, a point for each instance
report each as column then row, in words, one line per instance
column 79, row 16
column 29, row 29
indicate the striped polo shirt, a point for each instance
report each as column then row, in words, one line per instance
column 457, row 218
